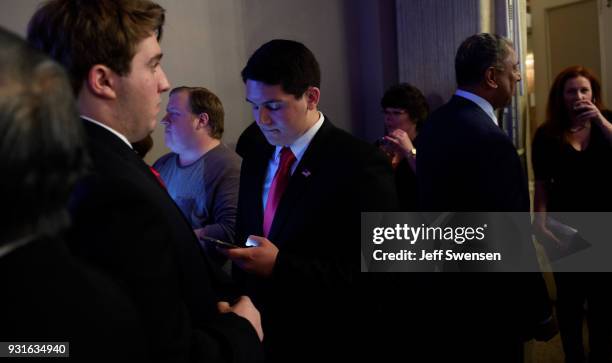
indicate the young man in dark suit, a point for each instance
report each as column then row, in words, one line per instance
column 302, row 188
column 125, row 223
column 466, row 163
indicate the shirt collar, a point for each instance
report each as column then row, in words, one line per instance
column 481, row 102
column 119, row 135
column 299, row 146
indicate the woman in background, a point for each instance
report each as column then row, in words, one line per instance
column 572, row 162
column 405, row 110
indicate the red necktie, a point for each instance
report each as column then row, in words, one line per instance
column 157, row 176
column 279, row 183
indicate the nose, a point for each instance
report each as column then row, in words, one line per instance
column 575, row 96
column 390, row 122
column 261, row 116
column 164, row 84
column 388, row 125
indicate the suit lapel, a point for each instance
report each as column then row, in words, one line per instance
column 298, row 188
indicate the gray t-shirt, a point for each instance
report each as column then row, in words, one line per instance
column 206, row 191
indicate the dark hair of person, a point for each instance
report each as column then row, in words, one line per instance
column 557, row 117
column 478, row 53
column 42, row 152
column 286, row 63
column 201, row 100
column 408, row 98
column 79, row 34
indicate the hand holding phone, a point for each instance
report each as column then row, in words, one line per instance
column 218, row 243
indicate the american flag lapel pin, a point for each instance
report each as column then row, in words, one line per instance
column 306, row 173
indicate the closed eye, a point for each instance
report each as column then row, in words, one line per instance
column 270, row 106
column 274, row 106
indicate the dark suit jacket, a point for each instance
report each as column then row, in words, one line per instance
column 126, row 223
column 307, row 302
column 467, row 163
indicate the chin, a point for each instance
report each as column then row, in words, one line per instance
column 272, row 140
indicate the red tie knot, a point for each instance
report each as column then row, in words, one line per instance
column 286, row 157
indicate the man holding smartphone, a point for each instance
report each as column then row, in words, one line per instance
column 302, row 188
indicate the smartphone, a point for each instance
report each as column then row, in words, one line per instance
column 218, row 243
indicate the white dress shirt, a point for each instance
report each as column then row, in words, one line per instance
column 481, row 102
column 298, row 148
column 119, row 135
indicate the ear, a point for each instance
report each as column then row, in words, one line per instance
column 202, row 121
column 490, row 78
column 313, row 95
column 102, row 81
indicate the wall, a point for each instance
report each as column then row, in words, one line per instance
column 605, row 34
column 16, row 13
column 427, row 48
column 576, row 46
column 373, row 67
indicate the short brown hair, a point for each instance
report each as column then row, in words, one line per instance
column 82, row 33
column 201, row 100
column 409, row 98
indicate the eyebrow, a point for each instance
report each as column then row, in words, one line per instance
column 265, row 102
column 155, row 58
